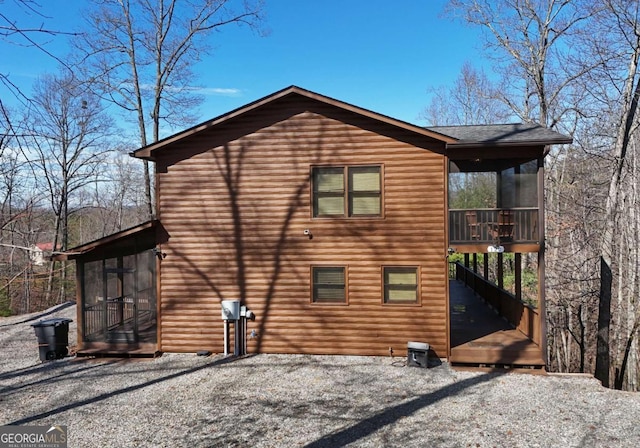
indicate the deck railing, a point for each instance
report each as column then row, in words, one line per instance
column 493, row 225
column 522, row 316
column 120, row 312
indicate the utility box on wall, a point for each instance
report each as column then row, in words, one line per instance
column 417, row 354
column 230, row 309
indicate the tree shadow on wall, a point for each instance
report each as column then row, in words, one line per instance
column 247, row 193
column 250, row 213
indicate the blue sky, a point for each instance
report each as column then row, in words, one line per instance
column 378, row 54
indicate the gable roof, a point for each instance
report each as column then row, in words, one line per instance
column 466, row 136
column 512, row 134
column 146, row 151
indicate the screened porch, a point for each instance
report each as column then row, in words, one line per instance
column 119, row 300
column 116, row 293
column 494, row 202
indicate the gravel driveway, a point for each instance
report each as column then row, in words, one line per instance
column 182, row 400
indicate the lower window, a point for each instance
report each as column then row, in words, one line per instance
column 400, row 284
column 329, row 284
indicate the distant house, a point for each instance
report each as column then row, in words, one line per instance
column 38, row 251
column 331, row 222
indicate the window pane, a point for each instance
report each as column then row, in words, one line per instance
column 333, row 276
column 401, row 285
column 329, row 285
column 329, row 205
column 399, row 295
column 401, row 276
column 364, row 190
column 328, row 191
column 329, row 179
column 329, row 294
column 365, row 178
column 365, row 205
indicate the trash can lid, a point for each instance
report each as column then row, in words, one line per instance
column 54, row 322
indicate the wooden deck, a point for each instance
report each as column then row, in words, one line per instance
column 480, row 337
column 110, row 350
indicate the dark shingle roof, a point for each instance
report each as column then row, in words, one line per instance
column 513, row 133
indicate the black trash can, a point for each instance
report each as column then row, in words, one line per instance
column 53, row 338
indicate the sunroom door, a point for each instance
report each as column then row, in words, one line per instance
column 121, row 305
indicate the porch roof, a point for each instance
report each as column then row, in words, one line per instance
column 512, row 134
column 122, row 240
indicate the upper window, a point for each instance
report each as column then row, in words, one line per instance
column 400, row 285
column 350, row 191
column 329, row 284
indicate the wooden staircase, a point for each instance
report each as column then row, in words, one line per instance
column 480, row 337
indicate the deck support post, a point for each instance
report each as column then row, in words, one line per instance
column 500, row 271
column 542, row 305
column 518, row 275
column 486, row 266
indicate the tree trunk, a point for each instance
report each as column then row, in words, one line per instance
column 49, row 292
column 604, row 317
column 629, row 108
column 620, row 372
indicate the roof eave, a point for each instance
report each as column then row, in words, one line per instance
column 493, row 144
column 88, row 247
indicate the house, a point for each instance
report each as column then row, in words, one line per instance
column 37, row 251
column 329, row 221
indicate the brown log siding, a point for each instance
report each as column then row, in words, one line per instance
column 235, row 211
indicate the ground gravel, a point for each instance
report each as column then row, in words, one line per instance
column 183, row 400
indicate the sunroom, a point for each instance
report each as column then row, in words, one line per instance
column 116, row 293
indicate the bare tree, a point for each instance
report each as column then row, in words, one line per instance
column 27, row 31
column 574, row 65
column 116, row 198
column 473, row 99
column 141, row 53
column 20, row 223
column 522, row 38
column 621, row 22
column 67, row 145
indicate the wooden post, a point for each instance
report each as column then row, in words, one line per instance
column 518, row 275
column 120, row 302
column 500, row 271
column 475, row 263
column 486, row 266
column 542, row 306
column 105, row 303
column 466, row 261
column 81, row 304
